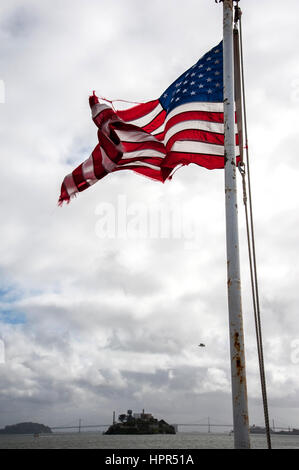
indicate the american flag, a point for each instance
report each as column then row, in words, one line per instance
column 185, row 125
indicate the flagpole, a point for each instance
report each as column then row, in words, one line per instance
column 238, row 374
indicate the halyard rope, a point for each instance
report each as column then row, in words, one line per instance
column 251, row 240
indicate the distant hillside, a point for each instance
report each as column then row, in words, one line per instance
column 26, row 428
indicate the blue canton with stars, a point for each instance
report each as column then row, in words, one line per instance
column 202, row 82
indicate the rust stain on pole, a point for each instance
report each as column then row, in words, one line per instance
column 240, row 367
column 236, row 341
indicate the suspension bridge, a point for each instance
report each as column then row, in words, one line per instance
column 208, row 425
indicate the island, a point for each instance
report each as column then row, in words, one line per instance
column 139, row 423
column 26, row 428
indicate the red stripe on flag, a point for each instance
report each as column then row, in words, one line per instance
column 156, row 122
column 160, row 136
column 151, row 160
column 150, row 145
column 103, row 116
column 211, row 162
column 111, row 150
column 99, row 170
column 64, row 196
column 137, row 111
column 198, row 136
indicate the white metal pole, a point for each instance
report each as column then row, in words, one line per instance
column 239, row 389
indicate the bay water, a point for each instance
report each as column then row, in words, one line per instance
column 181, row 440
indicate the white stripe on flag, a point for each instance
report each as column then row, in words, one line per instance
column 88, row 171
column 196, row 125
column 143, row 153
column 135, row 136
column 159, row 130
column 70, row 185
column 108, row 164
column 98, row 108
column 192, row 146
column 196, row 106
column 140, row 164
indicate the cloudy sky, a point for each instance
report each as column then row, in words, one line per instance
column 99, row 315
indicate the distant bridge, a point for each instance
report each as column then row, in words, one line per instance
column 209, row 426
column 79, row 427
column 90, row 426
